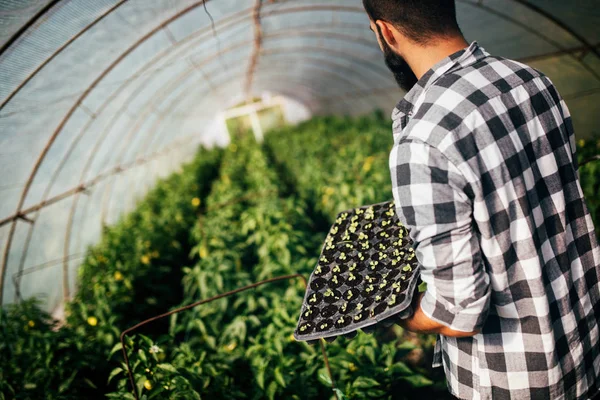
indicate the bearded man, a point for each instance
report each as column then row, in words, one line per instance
column 484, row 175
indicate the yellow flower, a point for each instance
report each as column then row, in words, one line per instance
column 329, row 191
column 231, row 346
column 31, row 324
column 581, row 143
column 93, row 321
column 291, row 337
column 352, row 367
column 148, row 385
column 145, row 260
column 368, row 164
column 195, row 202
column 203, row 251
column 155, row 254
column 118, row 276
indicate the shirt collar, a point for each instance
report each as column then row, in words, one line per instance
column 460, row 59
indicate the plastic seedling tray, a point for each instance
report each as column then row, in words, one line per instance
column 367, row 273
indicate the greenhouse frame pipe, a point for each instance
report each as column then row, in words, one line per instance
column 560, row 24
column 353, row 9
column 321, row 62
column 57, row 52
column 106, row 202
column 68, row 232
column 11, row 232
column 152, row 131
column 572, row 51
column 99, row 178
column 60, row 127
column 342, row 37
column 46, row 203
column 356, row 9
column 258, row 36
column 140, row 121
column 291, row 59
column 197, row 67
column 537, row 33
column 17, row 276
column 211, row 299
column 244, row 13
column 27, row 25
column 74, row 190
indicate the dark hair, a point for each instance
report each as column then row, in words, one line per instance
column 419, row 20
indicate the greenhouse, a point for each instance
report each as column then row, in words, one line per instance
column 188, row 158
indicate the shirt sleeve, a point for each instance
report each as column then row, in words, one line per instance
column 430, row 197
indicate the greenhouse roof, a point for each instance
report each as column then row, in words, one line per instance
column 99, row 98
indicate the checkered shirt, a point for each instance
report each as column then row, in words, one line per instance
column 484, row 175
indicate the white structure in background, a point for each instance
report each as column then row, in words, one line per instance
column 292, row 110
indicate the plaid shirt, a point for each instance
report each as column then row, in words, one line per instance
column 484, row 175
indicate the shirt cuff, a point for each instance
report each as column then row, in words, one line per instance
column 462, row 319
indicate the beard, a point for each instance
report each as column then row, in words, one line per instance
column 404, row 76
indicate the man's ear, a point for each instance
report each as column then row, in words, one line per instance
column 387, row 32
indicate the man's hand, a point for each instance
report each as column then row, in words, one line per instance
column 421, row 323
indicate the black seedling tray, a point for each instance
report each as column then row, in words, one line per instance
column 367, row 273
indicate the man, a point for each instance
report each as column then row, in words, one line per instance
column 484, row 175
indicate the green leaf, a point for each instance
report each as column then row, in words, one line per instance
column 401, row 369
column 167, row 367
column 260, row 378
column 272, row 390
column 279, row 377
column 340, row 394
column 324, row 377
column 90, row 383
column 363, row 382
column 120, row 395
column 417, row 381
column 114, row 373
column 370, row 353
column 64, row 386
column 142, row 356
column 422, row 287
column 116, row 347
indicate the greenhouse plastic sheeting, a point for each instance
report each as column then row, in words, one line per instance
column 99, row 98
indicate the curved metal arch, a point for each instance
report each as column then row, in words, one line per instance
column 560, row 24
column 533, row 31
column 60, row 127
column 89, row 184
column 66, row 118
column 108, row 100
column 231, row 77
column 117, row 175
column 168, row 112
column 159, row 120
column 238, row 45
column 57, row 52
column 341, row 37
column 28, row 25
column 66, row 247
